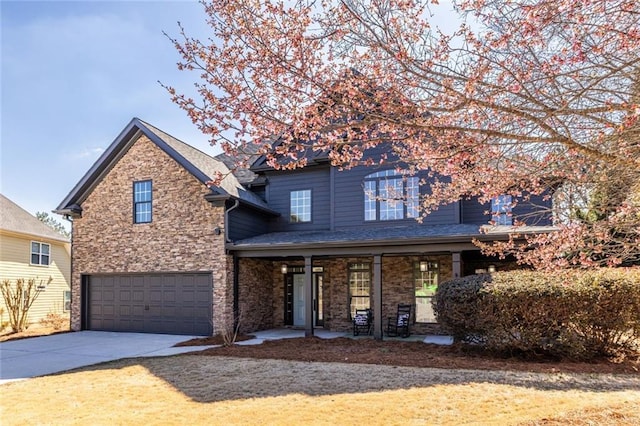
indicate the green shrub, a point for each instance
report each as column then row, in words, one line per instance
column 572, row 314
column 457, row 307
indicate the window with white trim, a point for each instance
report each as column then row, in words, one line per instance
column 300, row 207
column 359, row 287
column 142, row 199
column 390, row 195
column 40, row 253
column 66, row 300
column 501, row 210
column 426, row 274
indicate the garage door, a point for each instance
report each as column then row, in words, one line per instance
column 149, row 303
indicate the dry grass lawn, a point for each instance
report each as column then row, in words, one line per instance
column 221, row 390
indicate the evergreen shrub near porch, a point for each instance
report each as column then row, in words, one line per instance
column 573, row 314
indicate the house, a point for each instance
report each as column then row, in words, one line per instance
column 30, row 249
column 155, row 249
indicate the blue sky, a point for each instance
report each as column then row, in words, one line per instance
column 73, row 75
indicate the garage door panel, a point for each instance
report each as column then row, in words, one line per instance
column 155, row 303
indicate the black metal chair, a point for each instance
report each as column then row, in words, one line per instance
column 399, row 325
column 362, row 322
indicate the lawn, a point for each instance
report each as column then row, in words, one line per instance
column 188, row 389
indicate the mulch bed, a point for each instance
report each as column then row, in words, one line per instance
column 410, row 354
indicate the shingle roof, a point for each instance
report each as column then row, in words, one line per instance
column 202, row 166
column 410, row 234
column 210, row 166
column 14, row 218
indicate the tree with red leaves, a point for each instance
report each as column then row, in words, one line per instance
column 536, row 97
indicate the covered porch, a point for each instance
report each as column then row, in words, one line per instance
column 314, row 281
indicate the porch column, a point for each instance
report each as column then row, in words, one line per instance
column 308, row 297
column 456, row 269
column 377, row 297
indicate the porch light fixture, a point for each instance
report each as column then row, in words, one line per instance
column 283, row 268
column 424, row 266
column 492, row 269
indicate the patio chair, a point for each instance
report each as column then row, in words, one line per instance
column 362, row 321
column 399, row 324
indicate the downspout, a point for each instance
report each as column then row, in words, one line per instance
column 69, row 219
column 236, row 284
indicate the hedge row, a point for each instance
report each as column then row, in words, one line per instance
column 572, row 314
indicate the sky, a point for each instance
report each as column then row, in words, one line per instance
column 74, row 73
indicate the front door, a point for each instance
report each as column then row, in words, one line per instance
column 294, row 300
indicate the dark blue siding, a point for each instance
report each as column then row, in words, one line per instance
column 281, row 183
column 245, row 223
column 349, row 202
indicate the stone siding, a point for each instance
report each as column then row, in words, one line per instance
column 180, row 237
column 255, row 295
column 397, row 287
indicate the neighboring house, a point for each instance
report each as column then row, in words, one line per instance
column 155, row 249
column 31, row 249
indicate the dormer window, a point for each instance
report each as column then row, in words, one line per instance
column 142, row 201
column 390, row 195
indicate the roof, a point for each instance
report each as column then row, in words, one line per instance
column 202, row 166
column 14, row 218
column 409, row 234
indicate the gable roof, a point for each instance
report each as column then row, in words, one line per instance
column 202, row 166
column 14, row 218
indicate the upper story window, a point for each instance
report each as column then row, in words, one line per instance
column 40, row 253
column 390, row 195
column 142, row 201
column 300, row 210
column 501, row 210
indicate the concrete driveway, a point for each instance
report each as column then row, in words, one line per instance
column 37, row 356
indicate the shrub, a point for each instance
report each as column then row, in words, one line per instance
column 573, row 314
column 19, row 298
column 457, row 307
column 54, row 320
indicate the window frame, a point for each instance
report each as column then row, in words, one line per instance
column 39, row 253
column 353, row 268
column 379, row 209
column 433, row 268
column 145, row 202
column 304, row 206
column 66, row 300
column 502, row 210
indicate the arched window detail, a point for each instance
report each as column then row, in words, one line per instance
column 390, row 195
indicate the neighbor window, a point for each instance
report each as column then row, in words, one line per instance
column 359, row 287
column 390, row 195
column 300, row 206
column 142, row 201
column 501, row 210
column 426, row 283
column 40, row 253
column 66, row 298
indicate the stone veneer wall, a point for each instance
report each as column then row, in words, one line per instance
column 179, row 239
column 255, row 295
column 397, row 287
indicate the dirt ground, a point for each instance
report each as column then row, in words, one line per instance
column 34, row 330
column 408, row 354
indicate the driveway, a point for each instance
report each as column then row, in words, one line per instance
column 37, row 356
